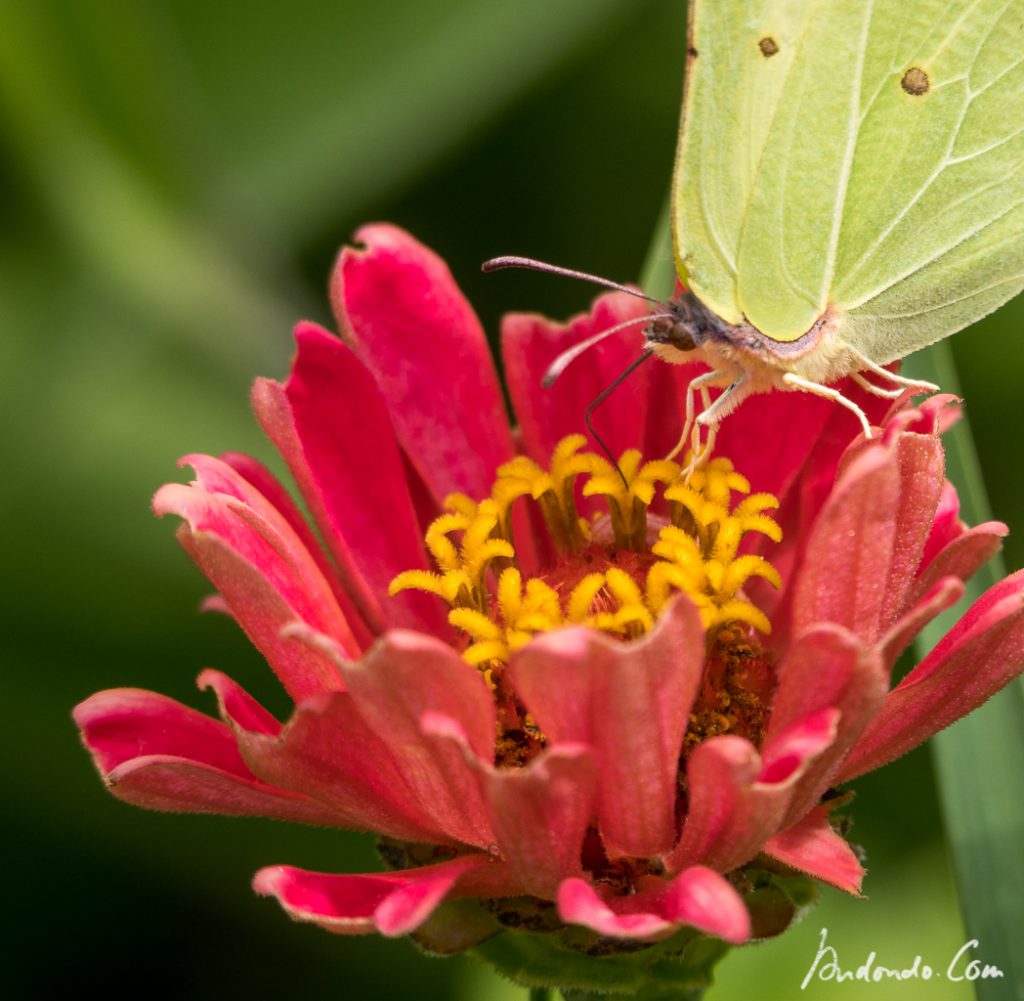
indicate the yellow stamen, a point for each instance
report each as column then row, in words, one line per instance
column 619, row 587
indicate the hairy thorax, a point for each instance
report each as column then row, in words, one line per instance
column 690, row 331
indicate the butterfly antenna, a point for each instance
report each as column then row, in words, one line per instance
column 601, row 397
column 569, row 355
column 501, row 263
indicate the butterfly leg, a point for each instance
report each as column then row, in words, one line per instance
column 700, row 452
column 797, row 382
column 710, row 418
column 736, row 392
column 698, row 385
column 889, row 394
column 900, row 380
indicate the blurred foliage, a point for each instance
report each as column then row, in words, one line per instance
column 178, row 176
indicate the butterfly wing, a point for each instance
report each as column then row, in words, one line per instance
column 943, row 174
column 733, row 92
column 880, row 174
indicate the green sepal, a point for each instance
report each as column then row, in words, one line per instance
column 457, row 925
column 776, row 899
column 676, row 969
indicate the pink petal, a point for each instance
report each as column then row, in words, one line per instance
column 264, row 574
column 540, row 816
column 333, row 428
column 393, row 903
column 328, row 752
column 270, row 487
column 703, row 899
column 259, row 476
column 811, row 846
column 934, row 416
column 530, row 343
column 628, row 701
column 858, row 516
column 946, row 525
column 811, row 486
column 963, row 557
column 721, row 773
column 539, row 813
column 789, row 750
column 156, row 753
column 124, row 723
column 699, row 898
column 977, row 657
column 736, row 800
column 398, row 306
column 579, row 904
column 827, row 668
column 237, row 707
column 405, row 676
column 945, row 594
column 921, row 464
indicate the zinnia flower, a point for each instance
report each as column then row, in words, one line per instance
column 571, row 698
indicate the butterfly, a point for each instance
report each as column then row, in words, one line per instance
column 848, row 188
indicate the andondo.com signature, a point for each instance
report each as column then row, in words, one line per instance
column 827, row 968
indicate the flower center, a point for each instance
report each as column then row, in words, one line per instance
column 658, row 533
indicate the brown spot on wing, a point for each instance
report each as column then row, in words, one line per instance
column 915, row 81
column 768, row 46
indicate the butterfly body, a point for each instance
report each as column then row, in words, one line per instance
column 848, row 188
column 849, row 184
column 744, row 361
column 691, row 326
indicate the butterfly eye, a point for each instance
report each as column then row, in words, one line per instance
column 670, row 331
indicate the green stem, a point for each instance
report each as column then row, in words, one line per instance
column 539, row 994
column 658, row 275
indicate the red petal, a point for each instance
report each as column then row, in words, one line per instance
column 811, row 846
column 261, row 570
column 539, row 813
column 628, row 701
column 158, row 754
column 393, row 903
column 921, row 466
column 237, row 707
column 858, row 516
column 946, row 525
column 401, row 310
column 699, row 898
column 328, row 752
column 963, row 557
column 540, row 816
column 812, row 486
column 530, row 343
column 977, row 657
column 736, row 800
column 270, row 487
column 945, row 594
column 333, row 427
column 579, row 904
column 827, row 668
column 405, row 676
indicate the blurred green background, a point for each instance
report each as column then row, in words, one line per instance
column 178, row 176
